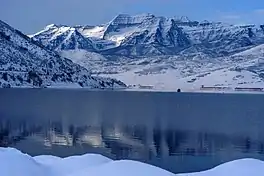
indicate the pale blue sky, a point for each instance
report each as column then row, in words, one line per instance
column 30, row 16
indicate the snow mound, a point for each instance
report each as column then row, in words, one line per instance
column 69, row 165
column 47, row 159
column 243, row 167
column 125, row 167
column 15, row 163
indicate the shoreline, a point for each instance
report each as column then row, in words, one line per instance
column 141, row 90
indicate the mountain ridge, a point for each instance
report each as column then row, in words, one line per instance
column 164, row 36
column 26, row 63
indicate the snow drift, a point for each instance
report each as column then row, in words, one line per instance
column 15, row 163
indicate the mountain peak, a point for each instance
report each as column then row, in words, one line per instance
column 129, row 19
column 144, row 15
column 53, row 26
column 184, row 19
column 205, row 22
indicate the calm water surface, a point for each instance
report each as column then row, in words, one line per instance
column 180, row 132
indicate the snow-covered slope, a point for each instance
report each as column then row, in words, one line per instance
column 171, row 74
column 257, row 51
column 24, row 62
column 165, row 53
column 15, row 163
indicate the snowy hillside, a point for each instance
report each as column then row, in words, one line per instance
column 164, row 53
column 169, row 74
column 25, row 63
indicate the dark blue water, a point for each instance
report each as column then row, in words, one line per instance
column 180, row 132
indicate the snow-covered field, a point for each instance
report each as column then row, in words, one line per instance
column 169, row 81
column 190, row 76
column 16, row 163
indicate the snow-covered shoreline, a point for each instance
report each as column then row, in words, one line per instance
column 140, row 90
column 16, row 163
column 194, row 91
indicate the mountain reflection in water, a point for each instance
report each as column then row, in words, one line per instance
column 180, row 132
column 122, row 142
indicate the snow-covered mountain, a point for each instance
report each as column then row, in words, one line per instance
column 166, row 53
column 148, row 35
column 26, row 63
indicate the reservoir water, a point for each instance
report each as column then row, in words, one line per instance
column 180, row 132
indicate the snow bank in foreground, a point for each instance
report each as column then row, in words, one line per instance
column 15, row 163
column 243, row 167
column 70, row 165
column 124, row 168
